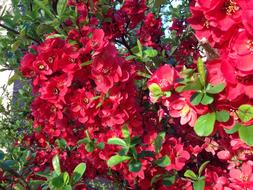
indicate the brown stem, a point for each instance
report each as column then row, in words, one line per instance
column 16, row 32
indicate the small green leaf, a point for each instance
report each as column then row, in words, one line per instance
column 222, row 116
column 139, row 47
column 125, row 133
column 78, row 172
column 56, row 164
column 246, row 134
column 86, row 63
column 62, row 144
column 100, row 146
column 45, row 8
column 190, row 174
column 117, row 141
column 196, row 98
column 245, row 112
column 58, row 182
column 169, row 180
column 130, row 57
column 234, row 129
column 18, row 186
column 202, row 167
column 158, row 141
column 207, row 99
column 205, row 124
column 202, row 71
column 67, row 187
column 65, row 177
column 61, row 7
column 150, row 52
column 16, row 45
column 146, row 153
column 215, row 89
column 1, row 155
column 56, row 36
column 89, row 147
column 116, row 159
column 155, row 89
column 134, row 166
column 163, row 162
column 199, row 185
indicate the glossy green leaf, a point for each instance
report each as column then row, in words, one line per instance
column 163, row 162
column 134, row 166
column 202, row 71
column 78, row 172
column 234, row 129
column 89, row 147
column 158, row 141
column 205, row 124
column 65, row 177
column 56, row 164
column 199, row 185
column 196, row 98
column 61, row 7
column 116, row 159
column 150, row 52
column 245, row 112
column 215, row 89
column 202, row 167
column 169, row 180
column 58, row 182
column 207, row 99
column 190, row 174
column 117, row 141
column 222, row 116
column 246, row 134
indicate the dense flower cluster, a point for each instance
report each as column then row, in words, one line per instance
column 182, row 127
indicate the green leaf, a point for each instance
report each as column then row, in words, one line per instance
column 150, row 52
column 12, row 79
column 45, row 8
column 215, row 89
column 139, row 47
column 86, row 63
column 234, row 129
column 116, row 159
column 199, row 185
column 62, row 144
column 207, row 99
column 245, row 112
column 117, row 141
column 65, row 177
column 126, row 133
column 134, row 166
column 196, row 98
column 222, row 116
column 163, row 162
column 61, row 7
column 158, row 141
column 205, row 124
column 100, row 146
column 67, row 187
column 56, row 164
column 202, row 71
column 155, row 89
column 1, row 155
column 202, row 167
column 169, row 180
column 56, row 36
column 130, row 57
column 246, row 134
column 18, row 186
column 146, row 153
column 89, row 147
column 190, row 174
column 16, row 45
column 78, row 172
column 57, row 181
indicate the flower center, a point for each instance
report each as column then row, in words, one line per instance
column 56, row 91
column 86, row 100
column 250, row 46
column 106, row 71
column 53, row 109
column 50, row 59
column 41, row 67
column 206, row 24
column 231, row 7
column 72, row 60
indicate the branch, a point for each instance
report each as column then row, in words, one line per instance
column 16, row 32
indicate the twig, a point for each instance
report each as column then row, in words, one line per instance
column 16, row 32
